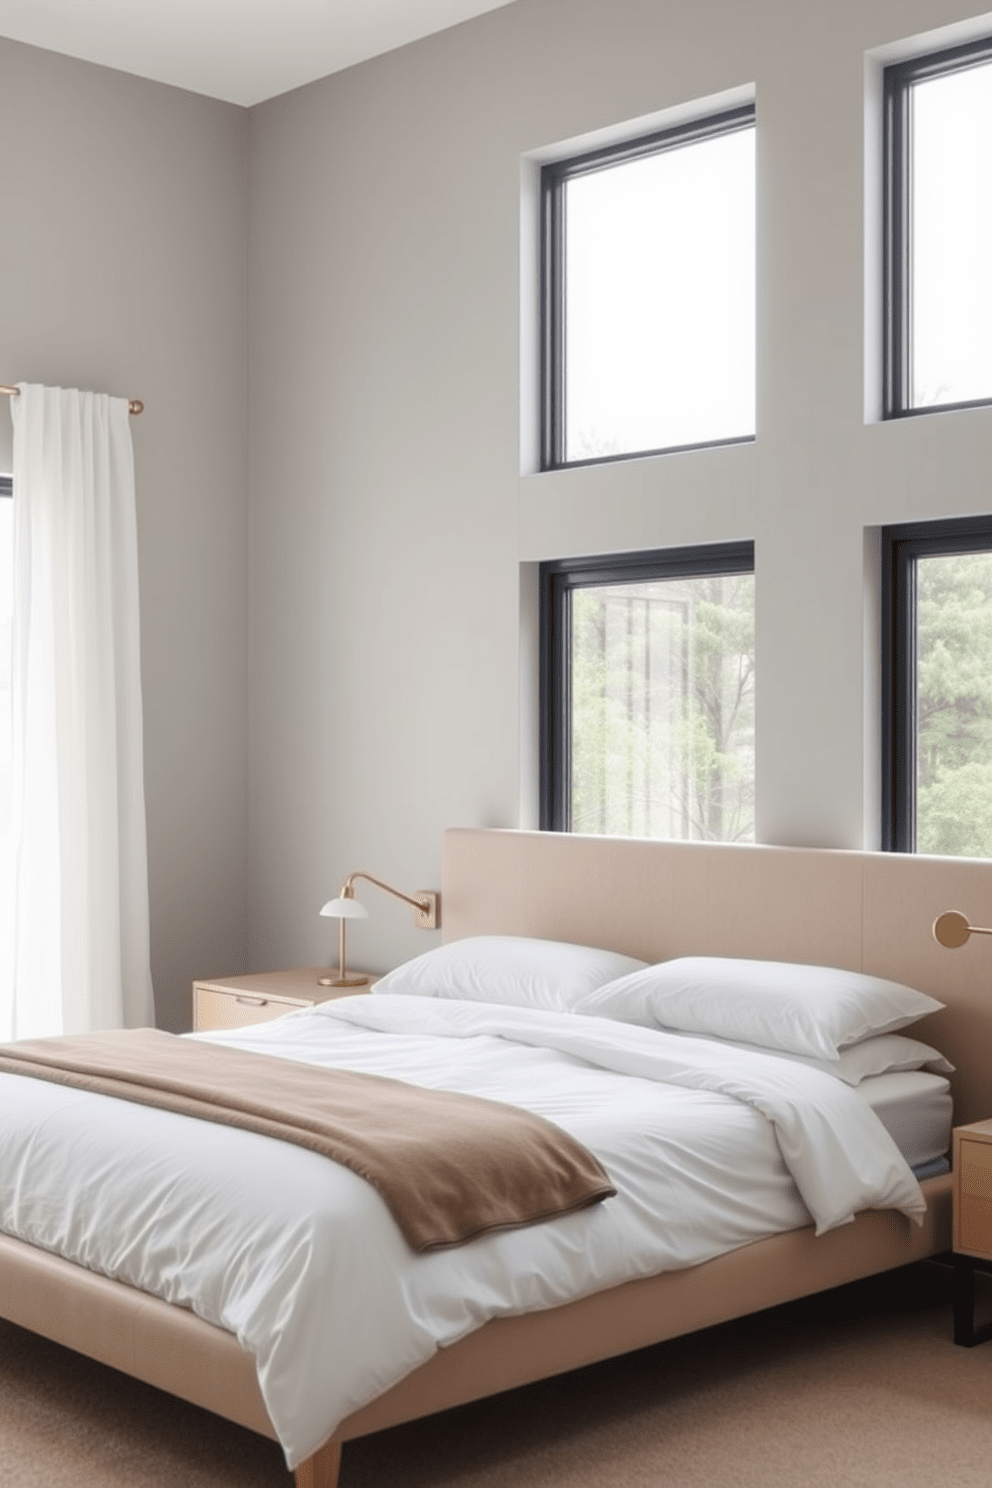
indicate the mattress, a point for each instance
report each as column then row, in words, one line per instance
column 916, row 1110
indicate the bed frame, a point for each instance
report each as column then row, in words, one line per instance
column 866, row 911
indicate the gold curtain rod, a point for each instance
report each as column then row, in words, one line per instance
column 134, row 405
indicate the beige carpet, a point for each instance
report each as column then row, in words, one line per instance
column 860, row 1389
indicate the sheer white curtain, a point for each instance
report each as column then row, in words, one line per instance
column 79, row 949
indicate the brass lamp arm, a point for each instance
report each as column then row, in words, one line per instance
column 423, row 902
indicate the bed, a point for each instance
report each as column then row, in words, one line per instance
column 654, row 901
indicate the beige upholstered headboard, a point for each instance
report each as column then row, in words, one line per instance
column 868, row 911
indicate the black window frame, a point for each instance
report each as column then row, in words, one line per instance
column 554, row 177
column 902, row 544
column 557, row 580
column 898, row 82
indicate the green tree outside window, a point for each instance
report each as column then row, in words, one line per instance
column 954, row 705
column 663, row 709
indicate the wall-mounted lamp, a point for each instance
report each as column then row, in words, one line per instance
column 427, row 915
column 951, row 929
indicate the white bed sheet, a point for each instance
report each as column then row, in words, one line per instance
column 299, row 1257
column 916, row 1110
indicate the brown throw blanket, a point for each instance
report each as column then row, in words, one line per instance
column 450, row 1167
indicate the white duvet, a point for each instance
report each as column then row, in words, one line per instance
column 709, row 1148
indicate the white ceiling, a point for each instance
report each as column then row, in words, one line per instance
column 242, row 51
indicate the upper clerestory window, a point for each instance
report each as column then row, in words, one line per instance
column 938, row 231
column 649, row 294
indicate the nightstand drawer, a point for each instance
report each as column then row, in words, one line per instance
column 237, row 1002
column 974, row 1216
column 973, row 1190
column 234, row 1009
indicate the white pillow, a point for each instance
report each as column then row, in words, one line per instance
column 886, row 1054
column 511, row 969
column 813, row 1010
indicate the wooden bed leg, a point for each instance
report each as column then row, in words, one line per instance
column 320, row 1470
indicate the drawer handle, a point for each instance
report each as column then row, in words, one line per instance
column 253, row 1001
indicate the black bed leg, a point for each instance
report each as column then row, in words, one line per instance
column 965, row 1332
column 964, row 1302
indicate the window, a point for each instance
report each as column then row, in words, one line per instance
column 937, row 680
column 938, row 231
column 649, row 294
column 647, row 694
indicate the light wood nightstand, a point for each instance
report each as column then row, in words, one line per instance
column 235, row 1002
column 972, row 1225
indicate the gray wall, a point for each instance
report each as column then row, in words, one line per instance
column 123, row 263
column 338, row 652
column 394, row 514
